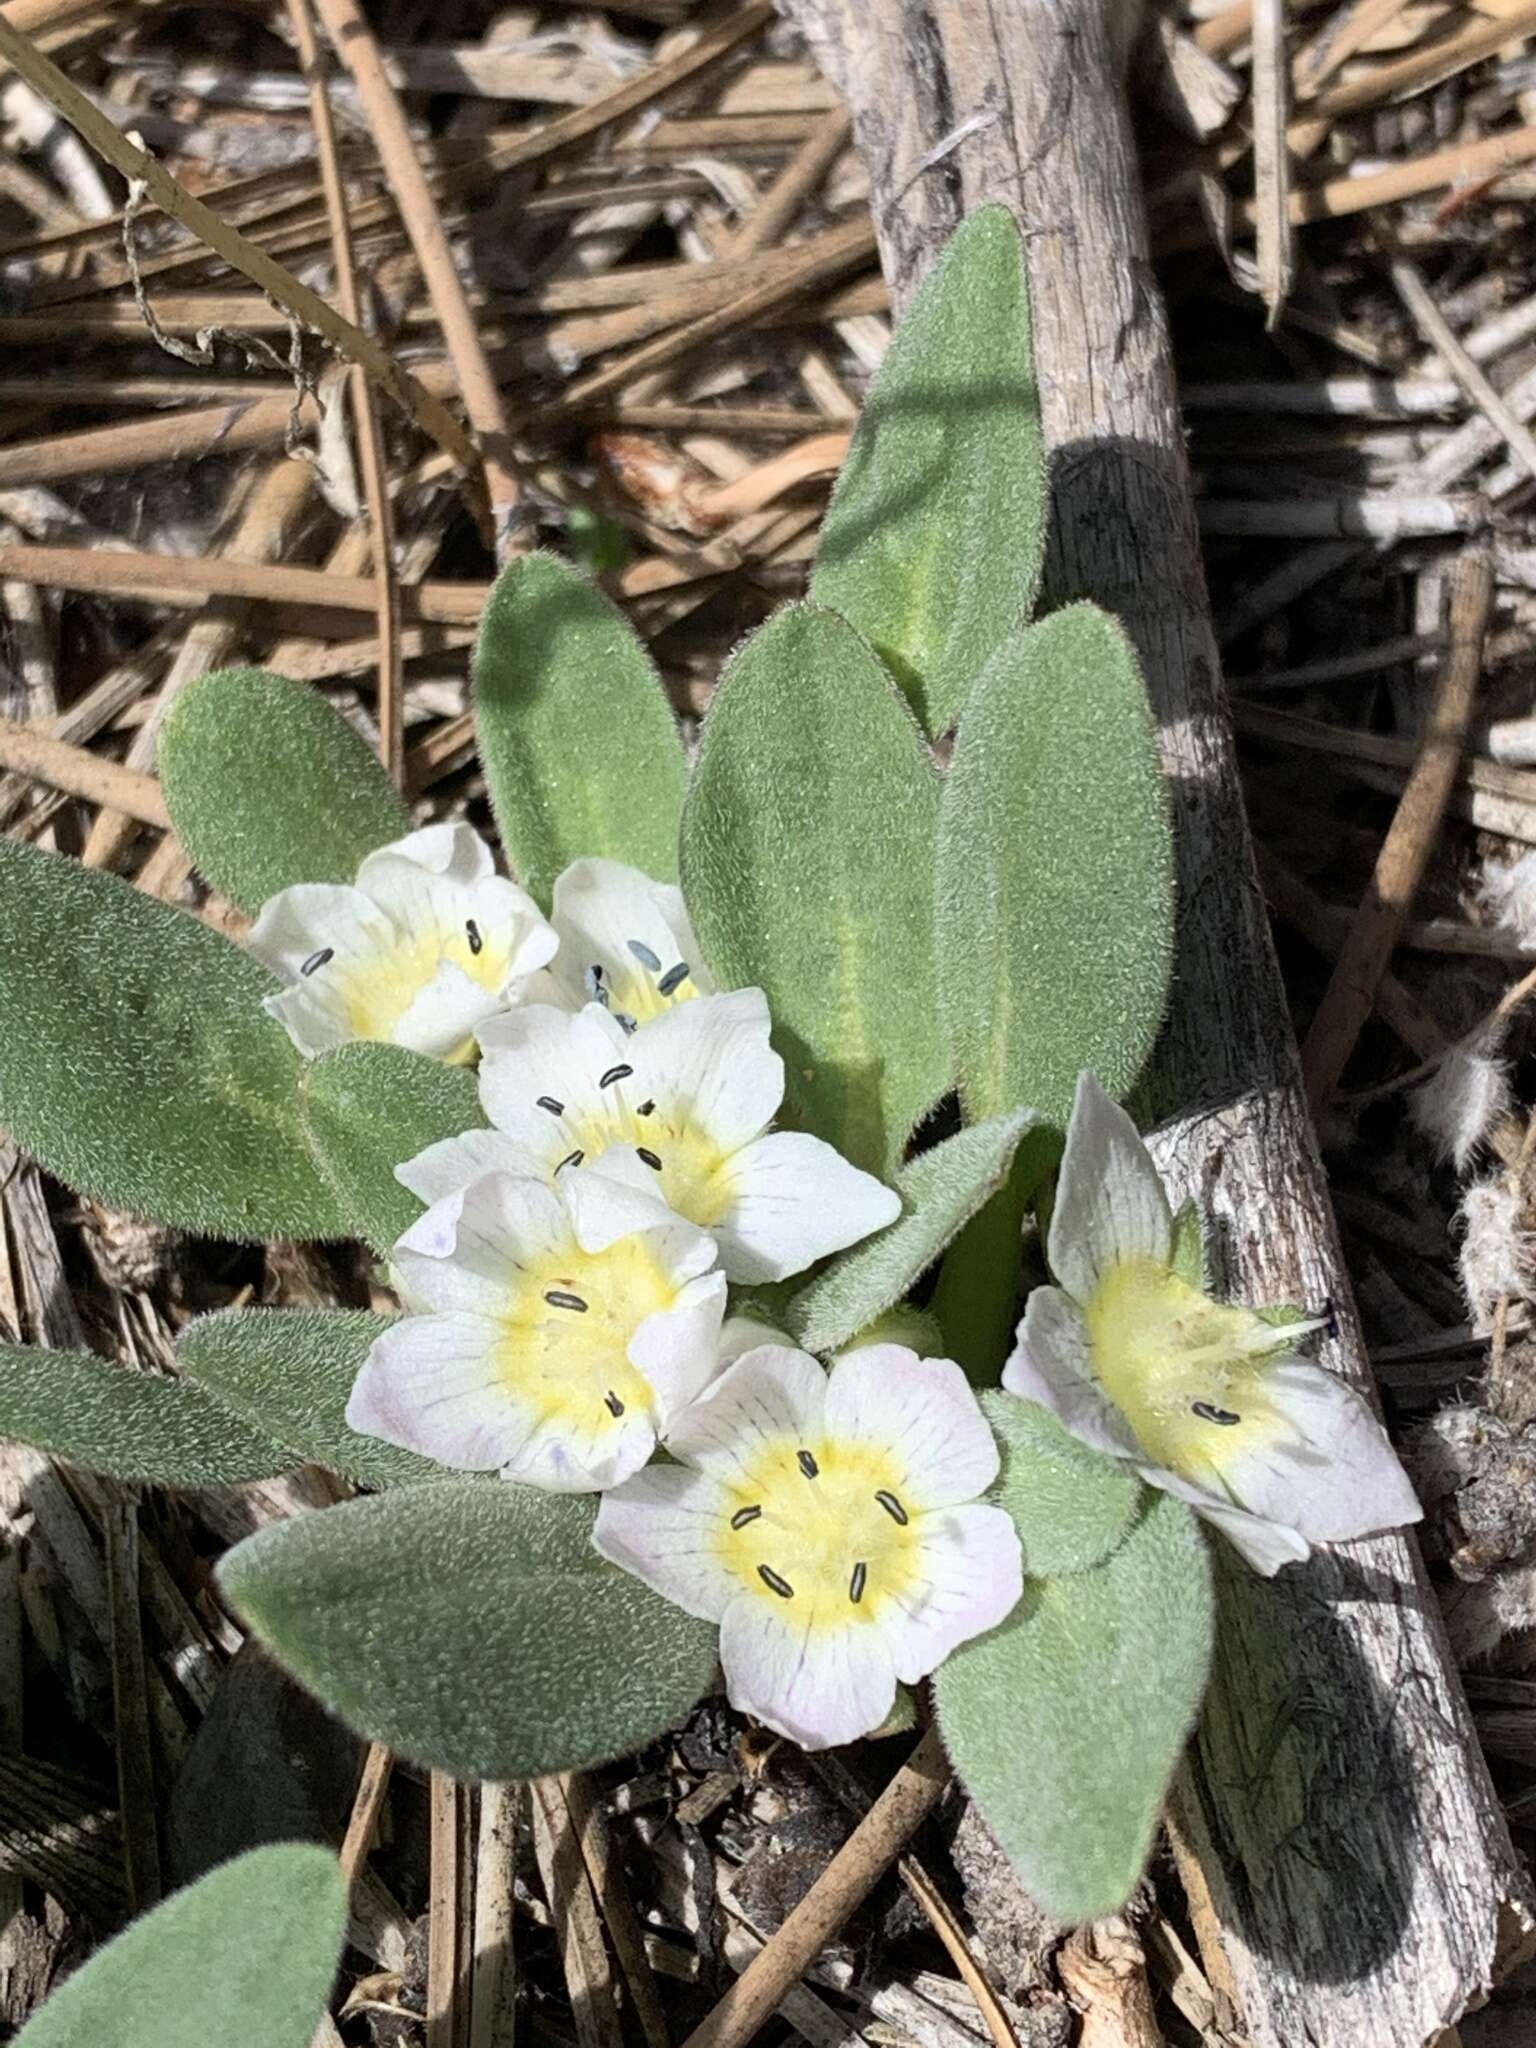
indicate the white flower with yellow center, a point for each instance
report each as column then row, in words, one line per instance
column 625, row 942
column 560, row 1328
column 681, row 1105
column 1209, row 1402
column 830, row 1524
column 425, row 945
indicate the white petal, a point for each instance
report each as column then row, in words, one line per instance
column 454, row 851
column 463, row 1253
column 1263, row 1544
column 796, row 1199
column 536, row 1055
column 1110, row 1203
column 921, row 1412
column 742, row 1334
column 1333, row 1475
column 972, row 1576
column 765, row 1398
column 604, row 1207
column 820, row 1686
column 452, row 1163
column 709, row 1065
column 430, row 1384
column 662, row 1526
column 602, row 911
column 601, row 1451
column 442, row 1017
column 313, row 1023
column 297, row 923
column 678, row 1349
column 1052, row 1364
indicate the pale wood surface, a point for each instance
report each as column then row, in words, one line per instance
column 1361, row 1878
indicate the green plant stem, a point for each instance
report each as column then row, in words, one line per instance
column 979, row 1280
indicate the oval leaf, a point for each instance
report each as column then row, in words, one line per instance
column 933, row 541
column 1066, row 1722
column 137, row 1063
column 258, row 1940
column 808, row 849
column 1070, row 1505
column 1055, row 872
column 268, row 785
column 367, row 1108
column 472, row 1627
column 581, row 750
column 290, row 1372
column 130, row 1424
column 941, row 1189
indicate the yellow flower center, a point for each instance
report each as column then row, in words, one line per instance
column 642, row 992
column 1187, row 1372
column 824, row 1530
column 693, row 1174
column 378, row 993
column 566, row 1330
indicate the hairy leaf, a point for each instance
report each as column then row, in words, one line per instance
column 472, row 1627
column 367, row 1108
column 808, row 849
column 1070, row 1505
column 290, row 1371
column 268, row 785
column 137, row 1063
column 254, row 1943
column 1055, row 889
column 1065, row 1723
column 940, row 1190
column 581, row 750
column 933, row 541
column 130, row 1424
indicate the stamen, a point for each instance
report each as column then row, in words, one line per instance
column 744, row 1515
column 807, row 1464
column 774, row 1583
column 645, row 1108
column 318, row 960
column 650, row 1158
column 624, row 1020
column 893, row 1508
column 593, row 980
column 613, row 1404
column 548, row 1102
column 644, row 955
column 571, row 1159
column 1208, row 1413
column 856, row 1583
column 561, row 1297
column 476, row 943
column 673, row 978
column 619, row 1073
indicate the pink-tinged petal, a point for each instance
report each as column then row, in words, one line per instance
column 442, row 1017
column 663, row 1527
column 1110, row 1203
column 921, row 1412
column 450, row 1165
column 430, row 1384
column 678, row 1349
column 972, row 1573
column 463, row 1252
column 767, row 1398
column 709, row 1065
column 1332, row 1474
column 536, row 1056
column 818, row 1685
column 1052, row 1364
column 1263, row 1544
column 796, row 1200
column 567, row 1456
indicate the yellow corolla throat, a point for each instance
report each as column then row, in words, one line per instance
column 566, row 1330
column 693, row 1174
column 823, row 1530
column 1186, row 1372
column 644, row 986
column 378, row 991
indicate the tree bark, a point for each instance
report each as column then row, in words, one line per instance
column 1361, row 1883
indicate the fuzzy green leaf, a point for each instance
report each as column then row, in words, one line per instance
column 472, row 1627
column 129, row 1424
column 290, row 1371
column 255, row 1941
column 940, row 1190
column 1070, row 1505
column 581, row 750
column 933, row 541
column 268, row 785
column 1065, row 1724
column 808, row 849
column 367, row 1108
column 137, row 1064
column 1055, row 873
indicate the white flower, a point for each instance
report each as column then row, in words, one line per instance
column 563, row 1327
column 681, row 1105
column 424, row 946
column 1209, row 1402
column 625, row 942
column 830, row 1524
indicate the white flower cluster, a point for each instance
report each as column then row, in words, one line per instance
column 566, row 1292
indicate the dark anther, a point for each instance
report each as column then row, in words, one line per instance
column 744, row 1515
column 650, row 1158
column 893, row 1508
column 645, row 1108
column 807, row 1464
column 774, row 1583
column 673, row 978
column 625, row 1022
column 548, row 1102
column 644, row 955
column 613, row 1404
column 476, row 943
column 1209, row 1413
column 620, row 1073
column 571, row 1159
column 1330, row 1315
column 561, row 1297
column 318, row 960
column 856, row 1583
